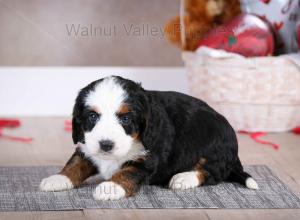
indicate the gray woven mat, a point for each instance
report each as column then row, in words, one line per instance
column 19, row 192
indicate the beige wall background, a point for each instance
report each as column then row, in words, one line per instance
column 86, row 33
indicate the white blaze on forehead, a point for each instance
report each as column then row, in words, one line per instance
column 107, row 96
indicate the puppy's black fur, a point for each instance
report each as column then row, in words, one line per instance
column 177, row 130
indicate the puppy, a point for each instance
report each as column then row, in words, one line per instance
column 131, row 136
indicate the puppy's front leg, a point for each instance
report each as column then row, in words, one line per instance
column 123, row 183
column 77, row 169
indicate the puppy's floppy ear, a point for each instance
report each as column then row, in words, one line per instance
column 77, row 131
column 78, row 135
column 158, row 132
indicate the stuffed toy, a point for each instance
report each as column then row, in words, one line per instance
column 200, row 17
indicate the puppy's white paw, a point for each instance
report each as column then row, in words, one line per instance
column 184, row 180
column 56, row 183
column 109, row 190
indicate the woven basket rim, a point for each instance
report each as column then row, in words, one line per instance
column 276, row 60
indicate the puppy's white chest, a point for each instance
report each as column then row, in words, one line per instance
column 106, row 167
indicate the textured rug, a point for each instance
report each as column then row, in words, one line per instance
column 19, row 192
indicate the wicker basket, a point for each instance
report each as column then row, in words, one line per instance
column 254, row 94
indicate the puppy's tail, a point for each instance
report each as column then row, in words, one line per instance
column 240, row 176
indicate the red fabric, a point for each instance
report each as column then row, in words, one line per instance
column 255, row 136
column 12, row 123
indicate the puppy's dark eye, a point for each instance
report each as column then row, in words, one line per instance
column 125, row 120
column 93, row 117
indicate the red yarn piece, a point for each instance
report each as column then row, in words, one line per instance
column 9, row 123
column 12, row 123
column 68, row 126
column 255, row 136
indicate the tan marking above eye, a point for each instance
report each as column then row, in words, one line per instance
column 95, row 109
column 124, row 108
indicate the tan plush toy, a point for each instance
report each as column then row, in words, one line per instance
column 200, row 17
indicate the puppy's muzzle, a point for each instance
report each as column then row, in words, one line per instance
column 106, row 145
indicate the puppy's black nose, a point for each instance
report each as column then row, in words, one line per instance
column 106, row 145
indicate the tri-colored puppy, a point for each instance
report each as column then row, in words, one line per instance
column 131, row 136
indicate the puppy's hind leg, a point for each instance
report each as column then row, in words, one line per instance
column 189, row 179
column 186, row 180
